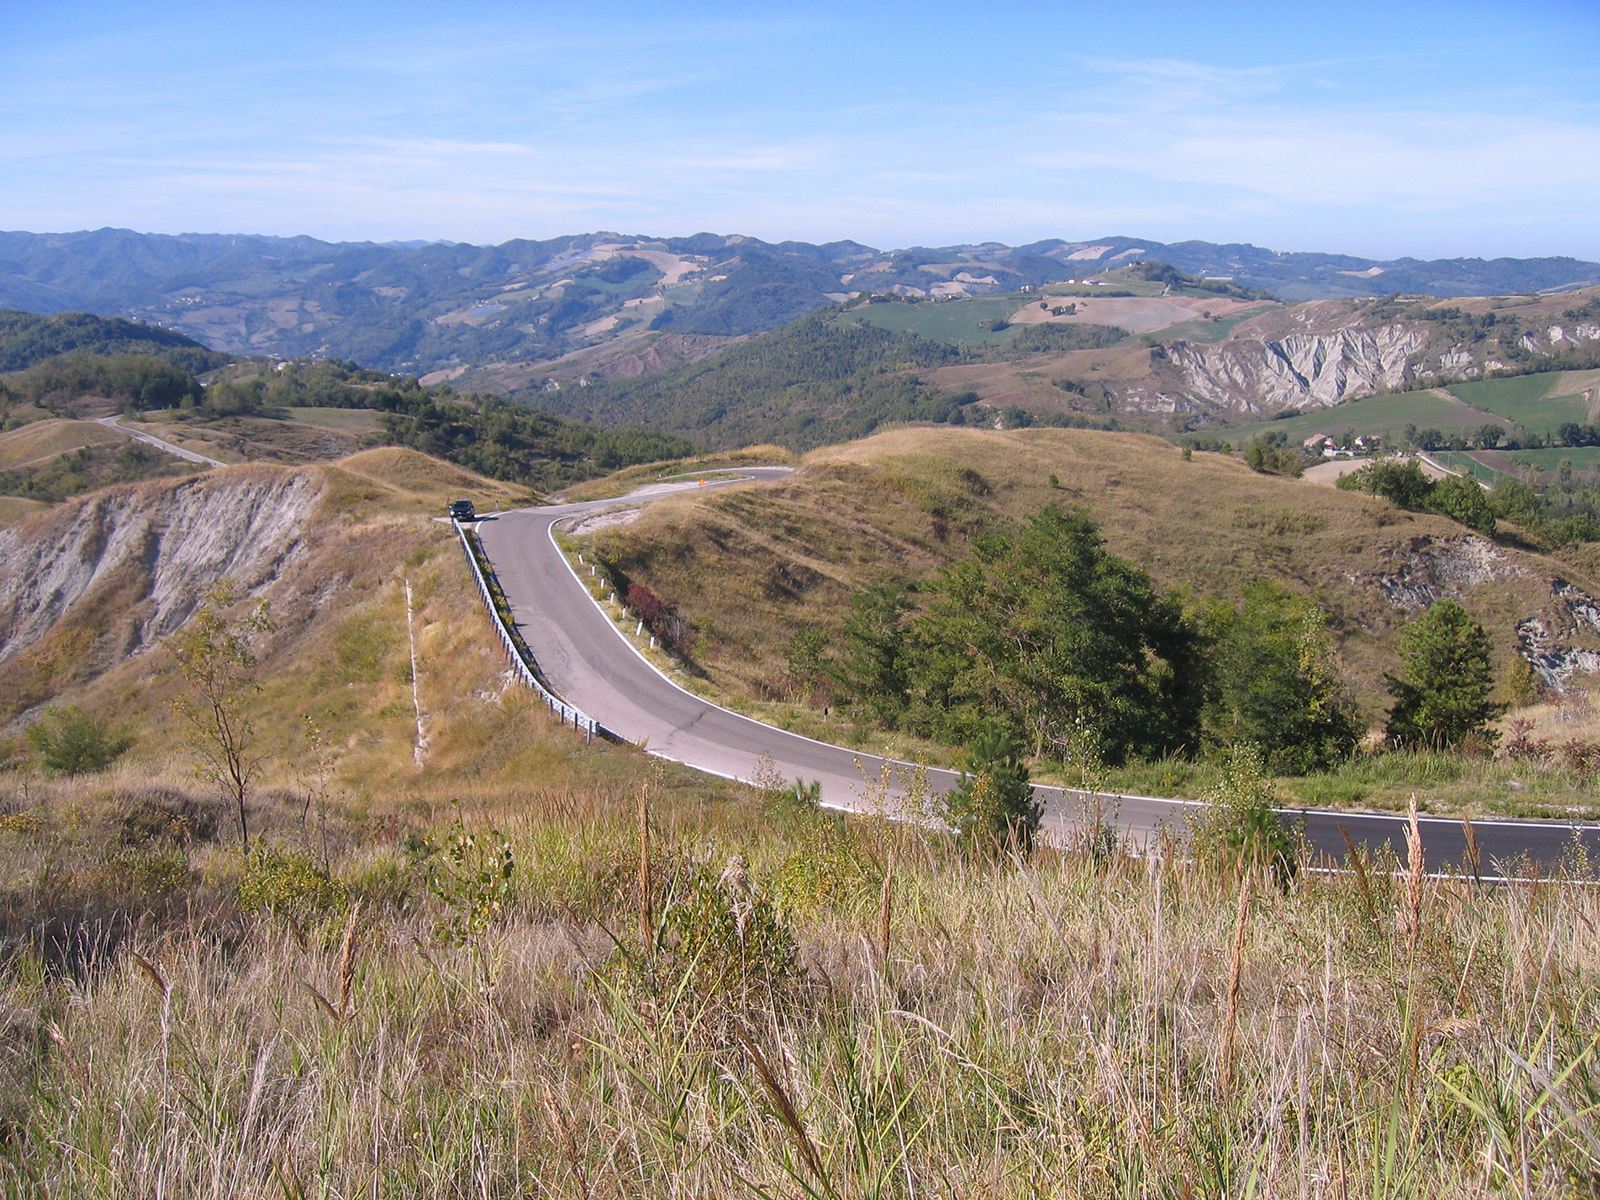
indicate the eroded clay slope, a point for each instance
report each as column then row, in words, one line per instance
column 135, row 561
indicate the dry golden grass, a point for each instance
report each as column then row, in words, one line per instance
column 1025, row 381
column 343, row 420
column 419, row 478
column 202, row 439
column 260, row 439
column 14, row 508
column 39, row 441
column 815, row 1009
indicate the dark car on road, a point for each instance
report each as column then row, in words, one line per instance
column 461, row 510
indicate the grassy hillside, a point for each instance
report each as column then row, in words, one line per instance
column 40, row 440
column 807, row 384
column 962, row 322
column 752, row 566
column 14, row 508
column 27, row 339
column 340, row 652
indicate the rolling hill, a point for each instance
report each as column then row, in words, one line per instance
column 1170, row 359
column 751, row 567
column 446, row 307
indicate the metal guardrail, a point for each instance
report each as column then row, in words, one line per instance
column 516, row 650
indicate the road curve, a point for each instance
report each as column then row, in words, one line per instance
column 151, row 440
column 589, row 661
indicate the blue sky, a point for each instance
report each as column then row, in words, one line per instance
column 1382, row 130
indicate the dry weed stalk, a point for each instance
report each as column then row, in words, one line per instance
column 566, row 1139
column 786, row 1113
column 646, row 913
column 1411, row 923
column 885, row 907
column 1474, row 855
column 157, row 980
column 1411, row 916
column 1362, row 885
column 1230, row 1023
column 347, row 961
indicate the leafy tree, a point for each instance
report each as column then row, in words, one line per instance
column 1269, row 458
column 1443, row 698
column 1402, row 484
column 1405, row 485
column 1463, row 499
column 27, row 339
column 1276, row 683
column 1488, row 436
column 1047, row 632
column 509, row 441
column 805, row 658
column 71, row 742
column 874, row 667
column 1056, row 338
column 138, row 379
column 234, row 399
column 807, row 384
column 1515, row 501
column 994, row 806
column 1521, row 683
column 214, row 653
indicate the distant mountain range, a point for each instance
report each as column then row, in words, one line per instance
column 434, row 309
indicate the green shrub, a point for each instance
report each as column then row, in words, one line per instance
column 70, row 742
column 1239, row 822
column 288, row 883
column 141, row 874
column 994, row 806
column 726, row 934
column 474, row 874
column 827, row 873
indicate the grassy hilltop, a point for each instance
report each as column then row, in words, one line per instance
column 898, row 504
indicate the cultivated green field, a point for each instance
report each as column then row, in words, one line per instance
column 950, row 321
column 1527, row 400
column 1434, row 409
column 1581, row 457
column 1136, row 287
column 1458, row 460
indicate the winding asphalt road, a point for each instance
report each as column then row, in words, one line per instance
column 589, row 661
column 151, row 440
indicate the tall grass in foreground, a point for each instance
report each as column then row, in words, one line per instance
column 772, row 1002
